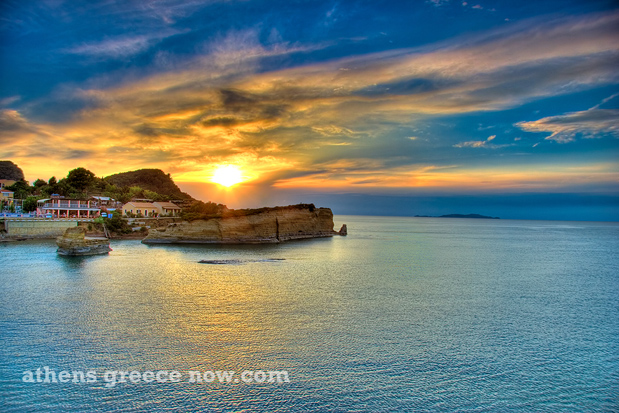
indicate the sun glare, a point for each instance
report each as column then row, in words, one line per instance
column 227, row 175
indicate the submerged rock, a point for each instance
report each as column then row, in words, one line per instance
column 239, row 261
column 75, row 242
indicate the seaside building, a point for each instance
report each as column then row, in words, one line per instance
column 6, row 199
column 6, row 182
column 167, row 208
column 59, row 207
column 102, row 200
column 144, row 208
column 151, row 209
column 6, row 195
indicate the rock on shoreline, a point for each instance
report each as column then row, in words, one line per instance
column 266, row 225
column 75, row 242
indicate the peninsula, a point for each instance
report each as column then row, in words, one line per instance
column 250, row 226
column 136, row 203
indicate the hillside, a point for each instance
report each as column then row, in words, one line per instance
column 8, row 170
column 150, row 179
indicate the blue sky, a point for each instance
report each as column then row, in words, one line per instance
column 422, row 107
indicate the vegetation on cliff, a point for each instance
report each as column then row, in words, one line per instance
column 208, row 210
column 255, row 211
column 116, row 224
column 203, row 210
column 80, row 183
column 149, row 181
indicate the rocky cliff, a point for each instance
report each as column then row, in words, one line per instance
column 266, row 225
column 75, row 242
column 10, row 171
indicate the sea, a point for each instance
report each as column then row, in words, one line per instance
column 401, row 315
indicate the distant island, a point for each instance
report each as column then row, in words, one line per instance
column 477, row 216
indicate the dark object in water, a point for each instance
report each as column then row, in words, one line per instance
column 237, row 261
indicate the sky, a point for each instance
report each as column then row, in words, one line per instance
column 501, row 108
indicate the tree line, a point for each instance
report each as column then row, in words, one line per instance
column 80, row 183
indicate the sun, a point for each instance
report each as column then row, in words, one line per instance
column 227, row 175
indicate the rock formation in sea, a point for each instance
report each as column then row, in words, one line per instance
column 75, row 242
column 264, row 225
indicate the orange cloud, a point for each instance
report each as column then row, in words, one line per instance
column 310, row 126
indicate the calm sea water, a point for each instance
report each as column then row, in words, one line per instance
column 404, row 314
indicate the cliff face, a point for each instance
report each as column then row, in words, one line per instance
column 272, row 225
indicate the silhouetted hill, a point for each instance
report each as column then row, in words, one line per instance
column 8, row 170
column 152, row 179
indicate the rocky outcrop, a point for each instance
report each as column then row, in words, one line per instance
column 75, row 242
column 266, row 225
column 10, row 171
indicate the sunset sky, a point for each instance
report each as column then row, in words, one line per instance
column 502, row 108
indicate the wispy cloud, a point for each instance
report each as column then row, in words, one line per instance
column 229, row 105
column 481, row 144
column 595, row 122
column 592, row 123
column 120, row 47
column 9, row 100
column 12, row 121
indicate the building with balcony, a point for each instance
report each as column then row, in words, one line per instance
column 58, row 207
column 6, row 198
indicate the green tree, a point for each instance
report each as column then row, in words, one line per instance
column 202, row 210
column 50, row 188
column 40, row 187
column 47, row 190
column 155, row 196
column 117, row 224
column 30, row 204
column 63, row 188
column 136, row 192
column 80, row 179
column 20, row 189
